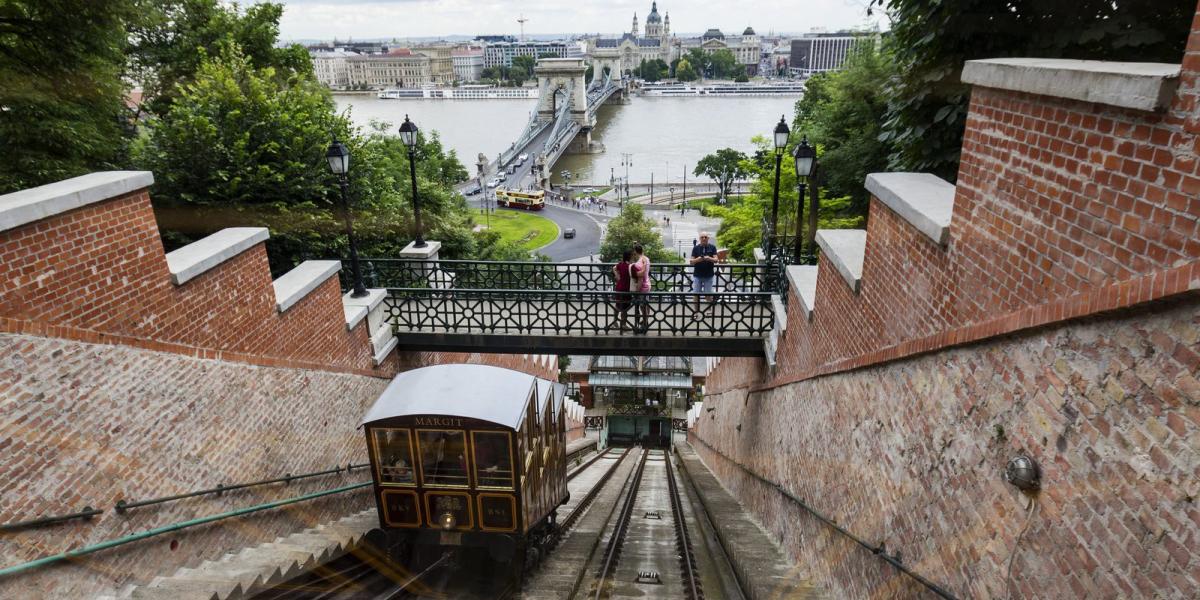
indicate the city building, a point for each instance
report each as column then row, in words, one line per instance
column 331, row 69
column 468, row 63
column 398, row 67
column 623, row 54
column 824, row 51
column 501, row 54
column 633, row 399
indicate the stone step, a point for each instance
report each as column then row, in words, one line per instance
column 293, row 286
column 924, row 200
column 845, row 249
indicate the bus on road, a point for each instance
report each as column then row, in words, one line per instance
column 526, row 199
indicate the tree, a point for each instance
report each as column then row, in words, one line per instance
column 173, row 37
column 724, row 167
column 844, row 111
column 700, row 60
column 61, row 94
column 632, row 227
column 741, row 78
column 722, row 64
column 684, row 71
column 652, row 70
column 742, row 219
column 524, row 64
column 931, row 39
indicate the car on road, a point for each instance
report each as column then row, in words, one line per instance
column 568, row 233
column 473, row 191
column 493, row 182
column 522, row 158
column 502, row 177
column 513, row 168
column 589, row 190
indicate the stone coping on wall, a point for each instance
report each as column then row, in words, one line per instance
column 26, row 206
column 1140, row 86
column 294, row 285
column 803, row 279
column 846, row 249
column 196, row 258
column 354, row 315
column 923, row 199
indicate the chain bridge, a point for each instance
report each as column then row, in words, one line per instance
column 455, row 305
column 563, row 121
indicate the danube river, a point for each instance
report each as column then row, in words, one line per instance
column 662, row 135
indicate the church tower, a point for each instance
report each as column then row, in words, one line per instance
column 635, row 27
column 654, row 23
column 667, row 26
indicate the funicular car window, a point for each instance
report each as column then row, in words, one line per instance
column 393, row 455
column 493, row 461
column 443, row 457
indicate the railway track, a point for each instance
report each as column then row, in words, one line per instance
column 612, row 553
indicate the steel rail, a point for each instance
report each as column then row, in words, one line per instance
column 687, row 558
column 124, row 505
column 876, row 550
column 136, row 537
column 613, row 552
column 566, row 524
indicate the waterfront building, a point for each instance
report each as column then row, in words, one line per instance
column 501, row 54
column 468, row 64
column 622, row 55
column 441, row 63
column 331, row 69
column 820, row 52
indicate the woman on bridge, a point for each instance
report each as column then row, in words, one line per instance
column 641, row 274
column 622, row 274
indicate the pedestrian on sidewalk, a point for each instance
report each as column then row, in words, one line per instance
column 703, row 261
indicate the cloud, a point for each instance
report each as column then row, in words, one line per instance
column 326, row 19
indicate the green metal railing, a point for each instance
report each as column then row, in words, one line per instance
column 78, row 552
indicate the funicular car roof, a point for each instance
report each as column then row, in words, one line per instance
column 483, row 392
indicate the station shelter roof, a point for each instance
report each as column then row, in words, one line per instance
column 674, row 381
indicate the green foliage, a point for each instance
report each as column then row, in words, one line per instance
column 589, row 74
column 724, row 167
column 843, row 111
column 741, row 226
column 61, row 93
column 722, row 64
column 685, row 72
column 741, row 78
column 927, row 103
column 236, row 148
column 630, row 227
column 652, row 70
column 174, row 37
column 525, row 64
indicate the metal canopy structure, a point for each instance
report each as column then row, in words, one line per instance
column 646, row 380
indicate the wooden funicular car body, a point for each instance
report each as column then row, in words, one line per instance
column 470, row 458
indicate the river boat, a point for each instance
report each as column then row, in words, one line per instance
column 468, row 92
column 790, row 88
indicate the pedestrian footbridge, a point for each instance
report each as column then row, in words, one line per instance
column 534, row 307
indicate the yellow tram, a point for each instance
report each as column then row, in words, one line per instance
column 527, row 199
column 470, row 458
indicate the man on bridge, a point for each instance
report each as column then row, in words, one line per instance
column 703, row 261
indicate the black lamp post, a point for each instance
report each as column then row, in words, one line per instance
column 338, row 156
column 781, row 139
column 408, row 135
column 806, row 164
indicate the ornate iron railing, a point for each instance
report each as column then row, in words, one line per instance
column 579, row 313
column 497, row 275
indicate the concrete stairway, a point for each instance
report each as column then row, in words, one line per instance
column 251, row 570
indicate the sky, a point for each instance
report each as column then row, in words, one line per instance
column 326, row 19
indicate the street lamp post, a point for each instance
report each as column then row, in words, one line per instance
column 408, row 135
column 806, row 163
column 781, row 139
column 338, row 156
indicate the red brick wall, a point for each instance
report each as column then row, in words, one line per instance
column 1064, row 211
column 1056, row 198
column 910, row 454
column 116, row 383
